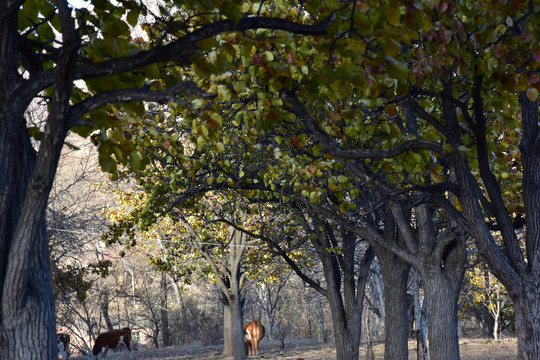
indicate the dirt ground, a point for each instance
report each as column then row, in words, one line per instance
column 470, row 349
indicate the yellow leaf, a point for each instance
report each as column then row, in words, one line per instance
column 437, row 178
column 532, row 93
column 447, row 148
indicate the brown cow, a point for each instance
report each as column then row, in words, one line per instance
column 110, row 340
column 253, row 333
column 63, row 344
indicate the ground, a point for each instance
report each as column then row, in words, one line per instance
column 471, row 349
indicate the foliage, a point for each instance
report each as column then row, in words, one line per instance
column 486, row 292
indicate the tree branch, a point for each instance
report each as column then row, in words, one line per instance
column 179, row 50
column 134, row 94
column 301, row 112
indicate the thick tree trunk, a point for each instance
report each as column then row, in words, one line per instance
column 347, row 328
column 233, row 327
column 227, row 326
column 27, row 318
column 441, row 308
column 527, row 313
column 394, row 274
column 27, row 330
column 27, row 304
column 442, row 281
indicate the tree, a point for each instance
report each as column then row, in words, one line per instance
column 95, row 46
column 186, row 238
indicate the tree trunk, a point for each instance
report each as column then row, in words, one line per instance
column 441, row 296
column 104, row 304
column 346, row 309
column 323, row 328
column 369, row 343
column 28, row 330
column 527, row 313
column 347, row 327
column 394, row 275
column 233, row 326
column 419, row 323
column 520, row 275
column 27, row 317
column 527, row 299
column 165, row 312
column 227, row 326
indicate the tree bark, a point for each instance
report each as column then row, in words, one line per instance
column 324, row 336
column 369, row 343
column 233, row 326
column 441, row 308
column 165, row 311
column 104, row 305
column 27, row 318
column 394, row 275
column 346, row 309
column 527, row 313
column 442, row 272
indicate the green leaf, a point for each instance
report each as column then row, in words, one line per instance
column 35, row 132
column 107, row 163
column 231, row 11
column 397, row 70
column 208, row 44
column 135, row 161
column 392, row 15
column 132, row 17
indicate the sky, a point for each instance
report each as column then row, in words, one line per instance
column 79, row 3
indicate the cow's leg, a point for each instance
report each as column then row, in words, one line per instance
column 61, row 349
column 127, row 344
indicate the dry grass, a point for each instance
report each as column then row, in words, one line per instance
column 470, row 349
